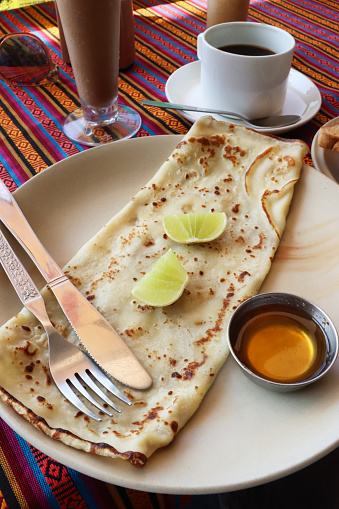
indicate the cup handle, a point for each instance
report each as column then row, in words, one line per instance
column 199, row 44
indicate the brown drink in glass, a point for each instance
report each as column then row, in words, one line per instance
column 92, row 33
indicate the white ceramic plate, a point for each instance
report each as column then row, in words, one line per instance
column 303, row 97
column 326, row 161
column 242, row 435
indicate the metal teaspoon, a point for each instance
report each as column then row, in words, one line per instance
column 267, row 122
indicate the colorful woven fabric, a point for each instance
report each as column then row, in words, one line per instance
column 32, row 139
column 5, row 5
column 31, row 480
column 31, row 118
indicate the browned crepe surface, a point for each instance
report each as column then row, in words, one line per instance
column 217, row 167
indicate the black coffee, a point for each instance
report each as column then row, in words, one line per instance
column 247, row 49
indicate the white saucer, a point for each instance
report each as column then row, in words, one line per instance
column 303, row 97
column 324, row 160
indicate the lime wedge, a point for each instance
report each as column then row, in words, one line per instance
column 164, row 283
column 189, row 228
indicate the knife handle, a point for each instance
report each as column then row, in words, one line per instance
column 15, row 221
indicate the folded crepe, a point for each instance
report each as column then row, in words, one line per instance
column 217, row 167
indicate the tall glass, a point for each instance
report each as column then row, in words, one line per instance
column 223, row 11
column 92, row 32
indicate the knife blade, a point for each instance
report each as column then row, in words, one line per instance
column 99, row 338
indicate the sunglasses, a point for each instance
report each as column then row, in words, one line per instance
column 25, row 61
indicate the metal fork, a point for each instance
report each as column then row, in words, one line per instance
column 69, row 366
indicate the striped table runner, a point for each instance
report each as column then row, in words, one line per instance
column 31, row 119
column 31, row 139
column 6, row 5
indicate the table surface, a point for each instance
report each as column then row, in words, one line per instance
column 32, row 140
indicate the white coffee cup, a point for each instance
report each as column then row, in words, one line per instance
column 254, row 86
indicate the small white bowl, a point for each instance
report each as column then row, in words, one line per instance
column 298, row 308
column 326, row 161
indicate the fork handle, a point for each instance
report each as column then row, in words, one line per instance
column 22, row 283
column 17, row 274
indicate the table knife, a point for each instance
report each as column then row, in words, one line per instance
column 98, row 337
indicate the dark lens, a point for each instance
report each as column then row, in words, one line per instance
column 23, row 59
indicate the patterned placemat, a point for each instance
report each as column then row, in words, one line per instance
column 31, row 118
column 6, row 5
